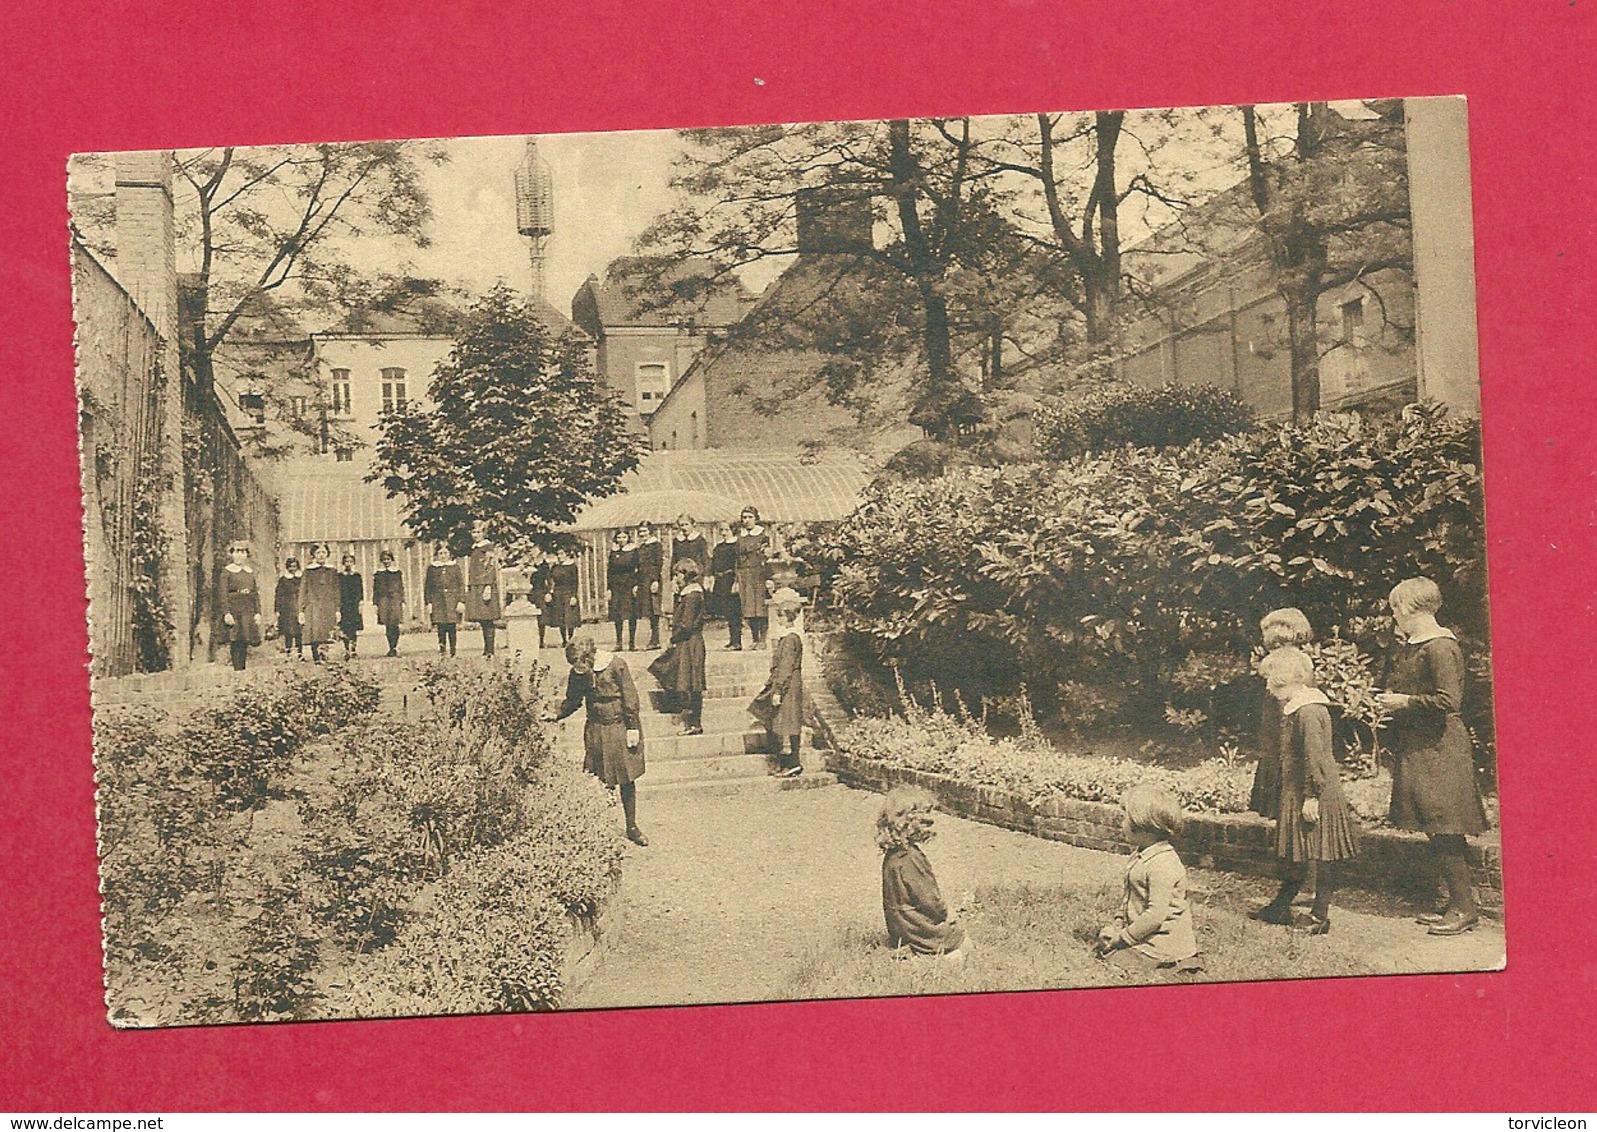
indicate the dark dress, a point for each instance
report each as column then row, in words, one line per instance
column 241, row 596
column 786, row 719
column 723, row 573
column 751, row 554
column 484, row 602
column 1308, row 770
column 351, row 592
column 687, row 640
column 286, row 602
column 651, row 577
column 388, row 595
column 913, row 906
column 563, row 577
column 1433, row 776
column 1265, row 799
column 541, row 594
column 319, row 601
column 690, row 550
column 613, row 709
column 621, row 579
column 443, row 591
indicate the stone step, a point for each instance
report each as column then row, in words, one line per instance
column 714, row 768
column 763, row 784
column 719, row 716
column 702, row 746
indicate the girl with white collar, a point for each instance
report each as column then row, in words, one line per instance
column 1315, row 823
column 1433, row 776
column 240, row 605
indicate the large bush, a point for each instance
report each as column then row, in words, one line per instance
column 1170, row 416
column 1117, row 570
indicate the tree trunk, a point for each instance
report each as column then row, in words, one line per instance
column 1303, row 335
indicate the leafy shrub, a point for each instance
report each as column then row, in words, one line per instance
column 1170, row 416
column 570, row 836
column 491, row 941
column 1113, row 570
column 248, row 740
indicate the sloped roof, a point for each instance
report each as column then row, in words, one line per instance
column 786, row 487
column 321, row 500
column 649, row 291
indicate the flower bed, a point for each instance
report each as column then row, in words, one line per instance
column 265, row 855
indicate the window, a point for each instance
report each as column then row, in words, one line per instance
column 297, row 407
column 654, row 382
column 1353, row 323
column 342, row 406
column 393, row 389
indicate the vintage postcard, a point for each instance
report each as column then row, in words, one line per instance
column 786, row 562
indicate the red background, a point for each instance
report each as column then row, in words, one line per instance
column 81, row 76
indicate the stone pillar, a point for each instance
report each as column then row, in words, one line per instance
column 1446, row 347
column 146, row 266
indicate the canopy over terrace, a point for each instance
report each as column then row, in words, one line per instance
column 321, row 501
column 785, row 487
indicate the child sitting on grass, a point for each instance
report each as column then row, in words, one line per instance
column 917, row 918
column 1153, row 928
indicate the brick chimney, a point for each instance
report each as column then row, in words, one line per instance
column 146, row 266
column 834, row 220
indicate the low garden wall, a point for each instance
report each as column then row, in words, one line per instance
column 1244, row 843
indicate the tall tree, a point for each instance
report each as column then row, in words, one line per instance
column 1331, row 198
column 937, row 203
column 521, row 434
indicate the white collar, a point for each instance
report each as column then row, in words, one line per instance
column 693, row 588
column 1150, row 851
column 235, row 568
column 319, row 566
column 759, row 530
column 1303, row 699
column 445, row 562
column 1437, row 634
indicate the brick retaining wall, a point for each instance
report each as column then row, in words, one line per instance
column 1390, row 860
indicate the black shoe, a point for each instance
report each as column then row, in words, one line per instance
column 1430, row 919
column 635, row 835
column 1456, row 923
column 1272, row 913
column 1318, row 925
column 393, row 652
column 791, row 771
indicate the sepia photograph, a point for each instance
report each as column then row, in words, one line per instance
column 786, row 562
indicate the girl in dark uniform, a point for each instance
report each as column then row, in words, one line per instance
column 780, row 704
column 1315, row 824
column 318, row 602
column 724, row 586
column 445, row 594
column 1280, row 628
column 484, row 602
column 687, row 638
column 612, row 740
column 688, row 545
column 541, row 579
column 651, row 580
column 286, row 602
column 351, row 593
column 1433, row 777
column 621, row 588
column 753, row 545
column 388, row 595
column 240, row 602
column 567, row 613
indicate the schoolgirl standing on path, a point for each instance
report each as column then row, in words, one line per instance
column 621, row 588
column 388, row 595
column 651, row 580
column 542, row 594
column 287, row 606
column 1153, row 928
column 689, row 545
column 780, row 704
column 484, row 602
column 612, row 738
column 351, row 593
column 1433, row 777
column 563, row 578
column 917, row 919
column 444, row 593
column 724, row 586
column 752, row 552
column 1315, row 824
column 318, row 602
column 240, row 605
column 1280, row 628
column 687, row 638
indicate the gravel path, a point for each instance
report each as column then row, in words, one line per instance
column 733, row 893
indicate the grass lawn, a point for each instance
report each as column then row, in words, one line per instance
column 1040, row 937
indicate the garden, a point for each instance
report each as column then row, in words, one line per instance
column 288, row 851
column 1075, row 623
